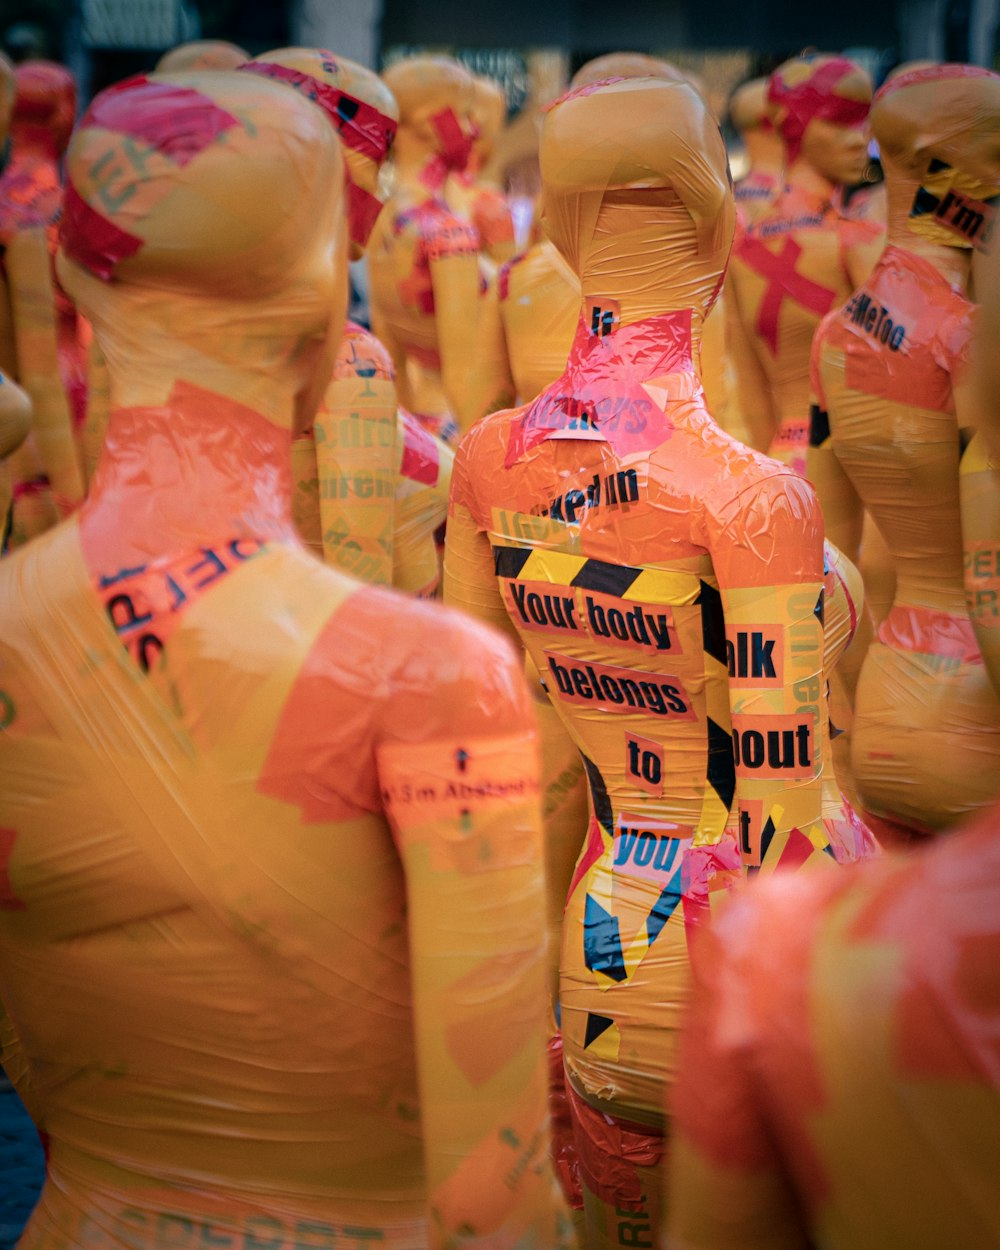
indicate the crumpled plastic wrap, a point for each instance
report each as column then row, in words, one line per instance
column 838, row 1033
column 666, row 581
column 272, row 913
column 891, row 365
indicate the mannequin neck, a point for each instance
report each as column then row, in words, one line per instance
column 199, row 437
column 193, row 471
column 419, row 166
column 801, row 175
column 640, row 349
column 641, row 262
column 764, row 151
column 223, row 351
column 953, row 263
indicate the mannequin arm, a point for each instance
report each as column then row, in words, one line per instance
column 769, row 562
column 465, row 813
column 30, row 276
column 843, row 512
column 356, row 458
column 470, row 581
column 493, row 385
column 752, row 389
column 979, row 484
column 455, row 281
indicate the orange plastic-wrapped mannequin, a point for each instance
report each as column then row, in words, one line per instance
column 838, row 1084
column 668, row 584
column 277, row 866
column 423, row 261
column 890, row 366
column 800, row 258
column 346, row 466
column 763, row 181
column 471, row 196
column 39, row 334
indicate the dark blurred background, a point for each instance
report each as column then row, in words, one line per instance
column 104, row 40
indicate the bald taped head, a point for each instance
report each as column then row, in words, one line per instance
column 216, row 182
column 938, row 128
column 201, row 54
column 44, row 106
column 634, row 136
column 625, row 65
column 362, row 111
column 748, row 107
column 436, row 98
column 807, row 89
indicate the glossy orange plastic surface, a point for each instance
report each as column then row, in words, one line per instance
column 891, row 363
column 666, row 581
column 838, row 1084
column 272, row 912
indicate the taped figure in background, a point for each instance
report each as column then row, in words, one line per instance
column 468, row 193
column 890, row 366
column 761, row 185
column 346, row 466
column 668, row 583
column 837, row 1084
column 539, row 298
column 41, row 338
column 237, row 790
column 423, row 262
column 800, row 258
column 791, row 265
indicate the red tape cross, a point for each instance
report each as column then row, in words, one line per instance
column 361, row 126
column 178, row 121
column 782, row 283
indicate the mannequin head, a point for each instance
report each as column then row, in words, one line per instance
column 436, row 96
column 201, row 54
column 938, row 131
column 169, row 246
column 489, row 114
column 748, row 112
column 44, row 108
column 363, row 113
column 637, row 194
column 819, row 106
column 625, row 65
